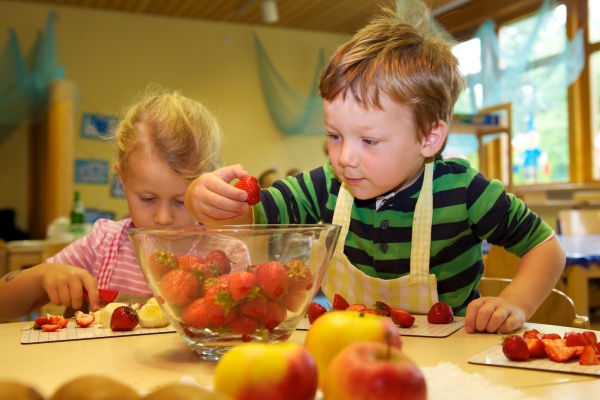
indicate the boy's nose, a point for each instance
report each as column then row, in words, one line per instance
column 346, row 157
column 163, row 216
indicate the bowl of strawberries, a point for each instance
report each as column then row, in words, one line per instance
column 220, row 286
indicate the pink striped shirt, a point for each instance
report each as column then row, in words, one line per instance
column 108, row 256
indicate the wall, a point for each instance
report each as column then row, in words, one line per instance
column 111, row 56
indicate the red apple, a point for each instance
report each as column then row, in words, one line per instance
column 267, row 372
column 373, row 370
column 333, row 331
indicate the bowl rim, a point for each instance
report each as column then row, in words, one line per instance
column 224, row 229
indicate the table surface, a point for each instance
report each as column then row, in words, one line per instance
column 148, row 362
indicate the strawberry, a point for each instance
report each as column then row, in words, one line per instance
column 590, row 338
column 241, row 285
column 58, row 320
column 190, row 262
column 402, row 318
column 196, row 315
column 315, row 310
column 515, row 348
column 574, row 339
column 356, row 307
column 301, row 279
column 294, row 301
column 50, row 327
column 532, row 334
column 243, row 325
column 589, row 356
column 551, row 336
column 339, row 303
column 161, row 262
column 382, row 308
column 218, row 262
column 557, row 350
column 440, row 313
column 124, row 318
column 84, row 320
column 536, row 347
column 249, row 184
column 179, row 287
column 276, row 314
column 256, row 308
column 273, row 278
column 40, row 321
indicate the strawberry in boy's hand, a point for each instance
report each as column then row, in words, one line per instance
column 515, row 348
column 249, row 184
column 440, row 313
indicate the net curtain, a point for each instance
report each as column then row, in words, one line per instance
column 25, row 79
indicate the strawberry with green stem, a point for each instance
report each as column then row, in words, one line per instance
column 124, row 318
column 161, row 262
column 300, row 277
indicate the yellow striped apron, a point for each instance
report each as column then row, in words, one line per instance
column 416, row 292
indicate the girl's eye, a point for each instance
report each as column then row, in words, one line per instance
column 147, row 199
column 179, row 202
column 333, row 136
column 370, row 142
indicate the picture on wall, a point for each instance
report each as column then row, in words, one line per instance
column 97, row 126
column 91, row 171
column 116, row 189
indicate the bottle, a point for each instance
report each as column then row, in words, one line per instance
column 77, row 215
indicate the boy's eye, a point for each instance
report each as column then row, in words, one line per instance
column 370, row 142
column 147, row 199
column 333, row 136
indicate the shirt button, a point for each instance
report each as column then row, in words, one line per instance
column 384, row 225
column 383, row 247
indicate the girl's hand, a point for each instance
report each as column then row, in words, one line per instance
column 493, row 314
column 211, row 198
column 64, row 285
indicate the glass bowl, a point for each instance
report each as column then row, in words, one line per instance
column 223, row 285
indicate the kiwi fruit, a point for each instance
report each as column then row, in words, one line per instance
column 10, row 390
column 184, row 392
column 93, row 387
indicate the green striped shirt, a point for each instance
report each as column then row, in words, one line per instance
column 467, row 208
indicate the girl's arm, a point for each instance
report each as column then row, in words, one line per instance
column 537, row 274
column 25, row 290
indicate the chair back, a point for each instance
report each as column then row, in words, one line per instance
column 500, row 263
column 557, row 309
column 579, row 222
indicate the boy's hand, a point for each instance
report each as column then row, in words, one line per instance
column 493, row 314
column 64, row 285
column 210, row 197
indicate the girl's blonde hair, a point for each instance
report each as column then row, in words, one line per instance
column 405, row 55
column 178, row 131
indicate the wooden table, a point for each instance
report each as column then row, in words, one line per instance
column 583, row 264
column 150, row 361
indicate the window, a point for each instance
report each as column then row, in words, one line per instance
column 594, row 38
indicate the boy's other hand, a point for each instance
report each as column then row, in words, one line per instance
column 493, row 314
column 64, row 285
column 211, row 198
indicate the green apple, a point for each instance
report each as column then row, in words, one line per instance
column 373, row 370
column 267, row 372
column 335, row 330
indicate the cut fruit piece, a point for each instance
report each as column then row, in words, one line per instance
column 152, row 316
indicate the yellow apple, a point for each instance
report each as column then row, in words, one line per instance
column 373, row 370
column 267, row 372
column 335, row 330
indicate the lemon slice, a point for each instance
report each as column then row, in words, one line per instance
column 152, row 316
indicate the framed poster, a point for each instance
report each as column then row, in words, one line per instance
column 116, row 189
column 91, row 171
column 98, row 127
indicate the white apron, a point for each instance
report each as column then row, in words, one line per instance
column 416, row 292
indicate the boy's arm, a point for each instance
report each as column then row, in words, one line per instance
column 537, row 274
column 25, row 290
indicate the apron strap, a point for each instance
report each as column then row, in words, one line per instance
column 342, row 214
column 109, row 260
column 421, row 230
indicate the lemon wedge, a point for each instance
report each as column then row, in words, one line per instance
column 152, row 316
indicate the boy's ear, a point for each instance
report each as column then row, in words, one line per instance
column 435, row 139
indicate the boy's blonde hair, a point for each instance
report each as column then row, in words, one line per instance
column 405, row 55
column 178, row 131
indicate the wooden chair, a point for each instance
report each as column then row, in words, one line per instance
column 557, row 309
column 579, row 222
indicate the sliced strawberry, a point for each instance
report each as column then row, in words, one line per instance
column 590, row 339
column 39, row 321
column 356, row 307
column 515, row 348
column 402, row 318
column 574, row 339
column 339, row 303
column 383, row 308
column 536, row 347
column 315, row 310
column 51, row 327
column 84, row 320
column 551, row 336
column 532, row 334
column 589, row 356
column 58, row 320
column 557, row 350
